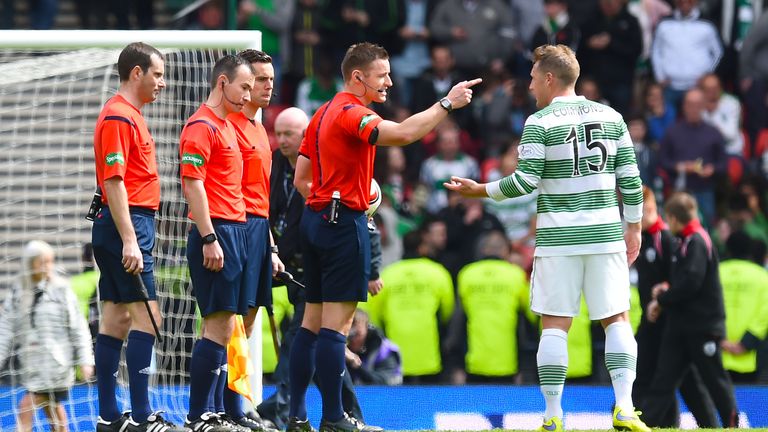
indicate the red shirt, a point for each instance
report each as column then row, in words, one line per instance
column 209, row 153
column 257, row 163
column 123, row 148
column 336, row 143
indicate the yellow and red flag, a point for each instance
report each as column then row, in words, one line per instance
column 239, row 364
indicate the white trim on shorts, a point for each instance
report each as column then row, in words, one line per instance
column 557, row 283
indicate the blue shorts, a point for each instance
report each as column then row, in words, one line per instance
column 258, row 268
column 222, row 290
column 115, row 284
column 337, row 258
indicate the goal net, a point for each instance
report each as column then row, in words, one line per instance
column 52, row 87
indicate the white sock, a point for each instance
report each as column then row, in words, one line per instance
column 552, row 361
column 621, row 361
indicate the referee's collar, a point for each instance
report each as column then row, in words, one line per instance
column 568, row 99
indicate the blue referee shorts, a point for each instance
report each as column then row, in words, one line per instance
column 115, row 284
column 337, row 257
column 258, row 268
column 223, row 290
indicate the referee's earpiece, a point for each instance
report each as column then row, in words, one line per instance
column 358, row 78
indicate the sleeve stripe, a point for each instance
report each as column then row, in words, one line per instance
column 210, row 125
column 120, row 118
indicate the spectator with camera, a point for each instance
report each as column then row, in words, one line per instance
column 371, row 357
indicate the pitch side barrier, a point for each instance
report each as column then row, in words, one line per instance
column 441, row 407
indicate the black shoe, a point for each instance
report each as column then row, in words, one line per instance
column 347, row 424
column 155, row 423
column 296, row 425
column 118, row 425
column 227, row 420
column 208, row 422
column 267, row 423
column 250, row 424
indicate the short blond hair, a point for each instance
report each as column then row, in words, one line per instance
column 560, row 61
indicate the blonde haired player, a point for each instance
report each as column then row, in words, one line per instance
column 575, row 152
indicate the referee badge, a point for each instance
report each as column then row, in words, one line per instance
column 114, row 158
column 365, row 120
column 192, row 159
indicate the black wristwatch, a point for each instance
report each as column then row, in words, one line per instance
column 210, row 238
column 446, row 104
column 274, row 249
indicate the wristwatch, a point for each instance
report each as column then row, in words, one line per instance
column 274, row 249
column 446, row 104
column 210, row 238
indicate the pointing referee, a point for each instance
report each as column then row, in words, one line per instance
column 336, row 159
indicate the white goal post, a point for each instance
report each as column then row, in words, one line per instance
column 53, row 84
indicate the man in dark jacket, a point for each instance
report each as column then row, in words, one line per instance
column 653, row 267
column 694, row 167
column 557, row 27
column 611, row 42
column 693, row 303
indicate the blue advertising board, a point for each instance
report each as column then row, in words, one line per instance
column 419, row 407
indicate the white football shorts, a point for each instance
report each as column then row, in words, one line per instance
column 558, row 281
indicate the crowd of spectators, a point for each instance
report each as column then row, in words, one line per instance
column 689, row 76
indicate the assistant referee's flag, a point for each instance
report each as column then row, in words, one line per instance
column 239, row 364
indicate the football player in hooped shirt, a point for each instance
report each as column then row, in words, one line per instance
column 336, row 158
column 212, row 172
column 263, row 261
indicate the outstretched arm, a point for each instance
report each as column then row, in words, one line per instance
column 416, row 126
column 467, row 187
column 521, row 182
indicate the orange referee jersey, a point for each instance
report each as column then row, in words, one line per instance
column 123, row 148
column 337, row 144
column 209, row 153
column 257, row 163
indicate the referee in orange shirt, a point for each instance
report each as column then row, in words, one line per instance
column 337, row 155
column 212, row 172
column 123, row 237
column 263, row 261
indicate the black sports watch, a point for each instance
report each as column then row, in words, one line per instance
column 446, row 104
column 210, row 238
column 274, row 249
